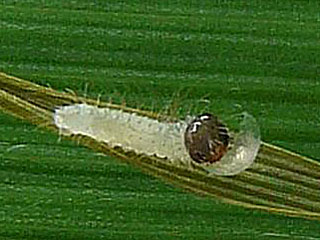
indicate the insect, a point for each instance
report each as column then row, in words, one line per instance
column 205, row 140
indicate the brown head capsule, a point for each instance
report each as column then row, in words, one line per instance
column 206, row 139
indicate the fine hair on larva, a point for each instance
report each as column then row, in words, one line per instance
column 149, row 136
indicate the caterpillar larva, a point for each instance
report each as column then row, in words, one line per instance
column 205, row 141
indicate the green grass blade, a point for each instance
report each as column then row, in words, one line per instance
column 279, row 181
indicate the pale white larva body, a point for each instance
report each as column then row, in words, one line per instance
column 145, row 135
column 126, row 130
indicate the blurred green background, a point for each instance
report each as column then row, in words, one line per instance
column 183, row 57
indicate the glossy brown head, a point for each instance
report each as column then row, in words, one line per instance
column 206, row 139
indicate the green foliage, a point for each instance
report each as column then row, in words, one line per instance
column 223, row 56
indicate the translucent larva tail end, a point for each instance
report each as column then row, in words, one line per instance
column 244, row 149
